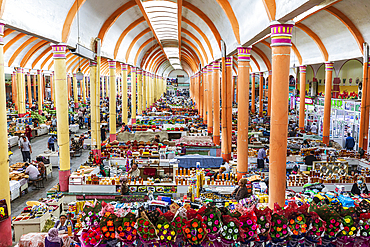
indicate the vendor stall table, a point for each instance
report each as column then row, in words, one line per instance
column 26, row 226
column 189, row 161
column 43, row 130
column 38, row 240
column 13, row 141
column 52, row 156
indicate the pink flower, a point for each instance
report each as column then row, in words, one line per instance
column 278, row 235
column 209, row 230
column 215, row 229
column 211, row 216
column 321, row 229
column 332, row 221
column 318, row 234
column 254, row 227
column 250, row 233
column 314, row 229
column 216, row 222
column 331, row 226
column 284, row 232
column 367, row 227
column 284, row 226
column 278, row 221
column 317, row 221
column 273, row 223
column 331, row 234
column 249, row 222
column 337, row 224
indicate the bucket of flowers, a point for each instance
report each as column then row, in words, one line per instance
column 279, row 230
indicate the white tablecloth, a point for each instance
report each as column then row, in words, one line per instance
column 13, row 141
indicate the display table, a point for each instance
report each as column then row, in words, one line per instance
column 90, row 188
column 13, row 141
column 38, row 240
column 73, row 128
column 48, row 171
column 26, row 226
column 189, row 161
column 43, row 130
column 14, row 189
column 53, row 157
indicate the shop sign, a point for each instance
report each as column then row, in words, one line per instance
column 349, row 105
column 358, row 106
column 308, row 101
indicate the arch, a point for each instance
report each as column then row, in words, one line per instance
column 195, row 49
column 40, row 56
column 196, row 41
column 205, row 18
column 263, row 56
column 179, row 20
column 315, row 38
column 159, row 65
column 226, row 7
column 299, row 57
column 195, row 58
column 125, row 32
column 20, row 48
column 256, row 63
column 113, row 17
column 70, row 18
column 46, row 60
column 192, row 52
column 80, row 64
column 2, row 8
column 31, row 51
column 150, row 56
column 13, row 40
column 349, row 24
column 151, row 49
column 73, row 61
column 155, row 61
column 8, row 31
column 201, row 33
column 141, row 48
column 51, row 64
column 270, row 7
column 189, row 63
column 133, row 42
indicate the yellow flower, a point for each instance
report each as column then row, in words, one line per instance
column 169, row 237
column 347, row 220
column 344, row 232
column 162, row 237
column 353, row 228
column 173, row 233
column 166, row 226
column 350, row 233
column 165, row 232
column 159, row 226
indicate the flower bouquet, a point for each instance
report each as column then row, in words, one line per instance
column 264, row 224
column 364, row 225
column 249, row 224
column 212, row 220
column 107, row 225
column 90, row 214
column 298, row 222
column 166, row 232
column 349, row 227
column 146, row 230
column 195, row 230
column 317, row 229
column 231, row 230
column 91, row 237
column 279, row 230
column 126, row 231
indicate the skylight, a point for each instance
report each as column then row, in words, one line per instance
column 163, row 18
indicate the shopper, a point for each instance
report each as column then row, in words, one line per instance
column 261, row 156
column 359, row 187
column 51, row 143
column 25, row 147
column 314, row 128
column 32, row 172
column 156, row 139
column 28, row 132
column 125, row 128
column 52, row 239
column 310, row 158
column 241, row 192
column 350, row 142
column 103, row 133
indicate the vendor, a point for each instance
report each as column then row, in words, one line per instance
column 183, row 149
column 52, row 239
column 261, row 156
column 156, row 139
column 220, row 172
column 62, row 223
column 31, row 171
column 310, row 158
column 134, row 171
column 241, row 192
column 359, row 187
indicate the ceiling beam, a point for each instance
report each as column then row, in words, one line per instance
column 179, row 19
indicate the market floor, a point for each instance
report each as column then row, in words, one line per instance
column 39, row 145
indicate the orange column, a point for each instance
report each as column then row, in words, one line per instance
column 29, row 90
column 302, row 96
column 261, row 94
column 269, row 94
column 243, row 110
column 34, row 87
column 223, row 109
column 210, row 99
column 281, row 35
column 253, row 98
column 216, row 102
column 227, row 128
column 205, row 95
column 367, row 108
column 364, row 99
column 201, row 94
column 327, row 104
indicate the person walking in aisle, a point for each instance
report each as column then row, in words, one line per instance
column 25, row 147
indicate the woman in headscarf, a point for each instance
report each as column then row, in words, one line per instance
column 52, row 239
column 359, row 187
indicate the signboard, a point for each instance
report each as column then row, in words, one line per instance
column 308, row 101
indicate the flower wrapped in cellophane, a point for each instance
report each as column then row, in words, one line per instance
column 279, row 230
column 166, row 232
column 195, row 230
column 126, row 231
column 146, row 230
column 231, row 230
column 212, row 220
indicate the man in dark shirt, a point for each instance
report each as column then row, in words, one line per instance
column 310, row 158
column 183, row 149
column 350, row 142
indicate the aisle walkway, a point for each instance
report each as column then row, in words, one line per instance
column 39, row 145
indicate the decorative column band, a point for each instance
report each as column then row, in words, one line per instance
column 216, row 65
column 123, row 67
column 368, row 65
column 133, row 69
column 302, row 69
column 139, row 71
column 244, row 54
column 261, row 74
column 253, row 74
column 19, row 70
column 39, row 72
column 2, row 26
column 210, row 68
column 93, row 63
column 229, row 61
column 112, row 64
column 329, row 66
column 59, row 51
column 281, row 34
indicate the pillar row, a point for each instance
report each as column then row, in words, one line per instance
column 302, row 96
column 112, row 101
column 327, row 105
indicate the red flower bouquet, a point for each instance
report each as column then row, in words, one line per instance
column 279, row 225
column 91, row 237
column 195, row 230
column 146, row 231
column 263, row 222
column 212, row 220
column 249, row 224
column 126, row 231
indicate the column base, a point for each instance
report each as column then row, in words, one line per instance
column 240, row 174
column 260, row 114
column 226, row 157
column 325, row 140
column 112, row 137
column 6, row 233
column 365, row 144
column 76, row 105
column 204, row 121
column 21, row 114
column 40, row 112
column 63, row 180
column 216, row 140
column 133, row 121
column 210, row 129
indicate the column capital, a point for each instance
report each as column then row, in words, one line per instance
column 59, row 50
column 2, row 27
column 93, row 63
column 133, row 70
column 210, row 68
column 281, row 33
column 261, row 74
column 216, row 65
column 329, row 66
column 244, row 54
column 229, row 61
column 112, row 64
column 39, row 72
column 253, row 74
column 138, row 71
column 302, row 69
column 124, row 66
